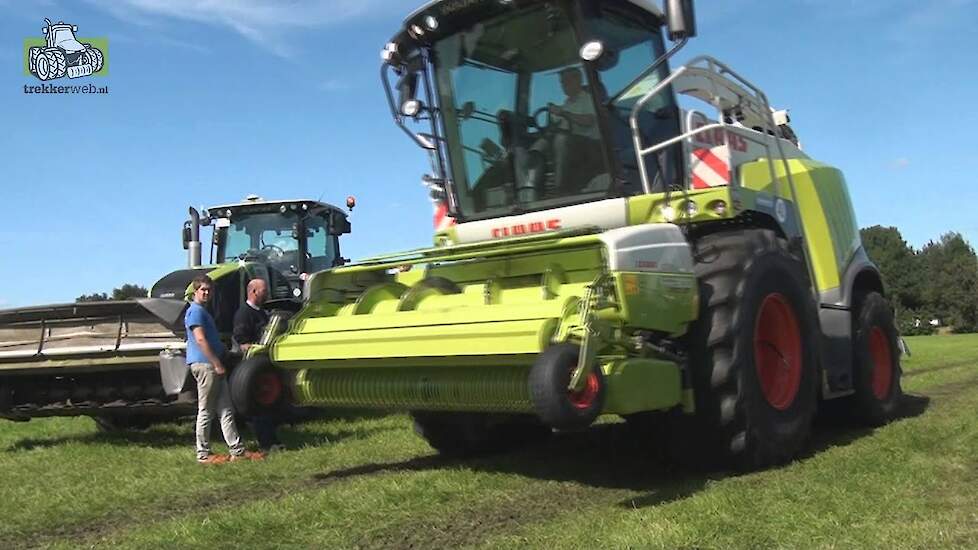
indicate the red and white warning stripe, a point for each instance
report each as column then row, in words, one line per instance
column 710, row 166
column 442, row 220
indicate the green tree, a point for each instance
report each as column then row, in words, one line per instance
column 950, row 269
column 125, row 292
column 899, row 265
column 96, row 297
column 128, row 291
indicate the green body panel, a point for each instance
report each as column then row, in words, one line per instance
column 655, row 301
column 636, row 385
column 822, row 199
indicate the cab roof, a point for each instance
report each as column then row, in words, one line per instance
column 259, row 204
column 647, row 5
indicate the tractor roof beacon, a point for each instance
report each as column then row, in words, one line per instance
column 612, row 237
column 121, row 361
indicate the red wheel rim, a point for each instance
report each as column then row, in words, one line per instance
column 268, row 388
column 584, row 398
column 777, row 351
column 879, row 349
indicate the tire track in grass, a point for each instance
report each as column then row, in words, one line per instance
column 938, row 368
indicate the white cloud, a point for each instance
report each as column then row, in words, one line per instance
column 335, row 85
column 265, row 22
column 900, row 163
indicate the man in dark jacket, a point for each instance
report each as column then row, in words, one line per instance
column 249, row 323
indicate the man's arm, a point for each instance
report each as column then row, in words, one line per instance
column 205, row 348
column 240, row 332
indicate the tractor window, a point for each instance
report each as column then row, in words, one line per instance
column 320, row 245
column 631, row 46
column 519, row 114
column 267, row 236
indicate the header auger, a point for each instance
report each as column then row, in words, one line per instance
column 602, row 246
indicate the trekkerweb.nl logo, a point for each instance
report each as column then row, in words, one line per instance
column 60, row 53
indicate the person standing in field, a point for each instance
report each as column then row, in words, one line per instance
column 249, row 323
column 204, row 352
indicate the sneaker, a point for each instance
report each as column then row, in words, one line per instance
column 214, row 459
column 276, row 448
column 248, row 455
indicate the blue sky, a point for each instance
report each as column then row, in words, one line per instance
column 210, row 101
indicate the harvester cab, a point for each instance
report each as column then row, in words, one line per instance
column 612, row 237
column 120, row 361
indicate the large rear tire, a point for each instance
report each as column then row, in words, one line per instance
column 752, row 354
column 461, row 435
column 876, row 362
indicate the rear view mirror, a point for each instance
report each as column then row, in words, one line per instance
column 186, row 235
column 338, row 224
column 680, row 19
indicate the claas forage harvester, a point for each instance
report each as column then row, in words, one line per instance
column 612, row 237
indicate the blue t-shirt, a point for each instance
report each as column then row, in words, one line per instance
column 197, row 316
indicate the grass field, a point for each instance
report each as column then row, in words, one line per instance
column 369, row 482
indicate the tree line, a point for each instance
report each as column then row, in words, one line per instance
column 125, row 292
column 938, row 283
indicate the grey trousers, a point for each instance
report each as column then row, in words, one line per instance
column 214, row 399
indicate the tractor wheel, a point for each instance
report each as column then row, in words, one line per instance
column 33, row 53
column 876, row 362
column 95, row 57
column 57, row 64
column 42, row 67
column 460, row 435
column 752, row 354
column 555, row 404
column 257, row 387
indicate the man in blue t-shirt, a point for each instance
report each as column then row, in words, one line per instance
column 204, row 351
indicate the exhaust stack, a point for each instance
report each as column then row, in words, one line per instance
column 193, row 243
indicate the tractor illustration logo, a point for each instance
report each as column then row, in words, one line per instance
column 63, row 55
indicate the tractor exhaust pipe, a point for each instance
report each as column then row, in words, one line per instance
column 191, row 238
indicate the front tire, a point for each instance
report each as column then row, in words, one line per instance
column 257, row 387
column 876, row 362
column 557, row 406
column 752, row 353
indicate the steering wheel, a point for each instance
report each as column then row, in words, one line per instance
column 535, row 117
column 277, row 250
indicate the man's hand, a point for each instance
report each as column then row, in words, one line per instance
column 219, row 368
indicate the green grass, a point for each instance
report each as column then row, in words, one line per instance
column 369, row 482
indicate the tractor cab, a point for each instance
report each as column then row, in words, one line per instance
column 280, row 241
column 530, row 102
